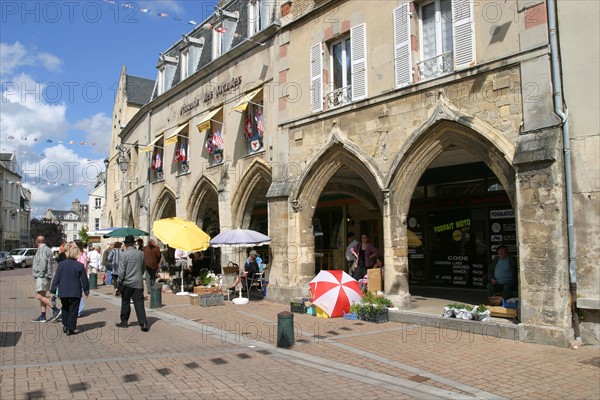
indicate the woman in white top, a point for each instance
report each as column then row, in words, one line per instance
column 94, row 260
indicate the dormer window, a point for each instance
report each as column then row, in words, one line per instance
column 223, row 32
column 190, row 55
column 260, row 15
column 166, row 72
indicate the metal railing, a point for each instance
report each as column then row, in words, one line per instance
column 434, row 67
column 339, row 97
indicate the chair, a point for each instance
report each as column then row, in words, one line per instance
column 229, row 273
column 257, row 280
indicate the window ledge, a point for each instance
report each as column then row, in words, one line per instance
column 256, row 153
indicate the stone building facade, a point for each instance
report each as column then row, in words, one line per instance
column 428, row 126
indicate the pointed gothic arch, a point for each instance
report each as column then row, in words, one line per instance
column 328, row 161
column 165, row 204
column 204, row 196
column 257, row 175
column 446, row 127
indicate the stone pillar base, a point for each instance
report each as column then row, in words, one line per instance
column 549, row 335
column 283, row 294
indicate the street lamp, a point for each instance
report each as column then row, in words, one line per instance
column 123, row 166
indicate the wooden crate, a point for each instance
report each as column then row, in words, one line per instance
column 502, row 312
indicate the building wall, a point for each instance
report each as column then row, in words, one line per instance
column 578, row 29
column 499, row 110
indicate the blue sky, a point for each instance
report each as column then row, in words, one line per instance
column 59, row 66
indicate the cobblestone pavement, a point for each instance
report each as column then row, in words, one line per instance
column 230, row 352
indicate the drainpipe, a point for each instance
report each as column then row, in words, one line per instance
column 149, row 159
column 563, row 113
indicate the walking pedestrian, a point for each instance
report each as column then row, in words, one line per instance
column 107, row 265
column 71, row 281
column 131, row 284
column 83, row 258
column 113, row 259
column 152, row 256
column 42, row 273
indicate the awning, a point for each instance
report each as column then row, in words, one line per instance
column 205, row 123
column 243, row 103
column 173, row 138
column 152, row 144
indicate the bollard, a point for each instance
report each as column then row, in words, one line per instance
column 285, row 329
column 93, row 280
column 156, row 296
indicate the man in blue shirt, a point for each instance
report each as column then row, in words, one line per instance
column 502, row 274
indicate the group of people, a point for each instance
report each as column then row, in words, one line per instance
column 124, row 263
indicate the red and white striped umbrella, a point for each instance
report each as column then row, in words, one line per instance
column 334, row 291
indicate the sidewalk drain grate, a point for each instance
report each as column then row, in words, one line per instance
column 359, row 323
column 244, row 356
column 264, row 352
column 418, row 378
column 79, row 387
column 218, row 361
column 192, row 365
column 164, row 371
column 12, row 298
column 131, row 378
column 345, row 328
column 36, row 394
column 333, row 333
column 320, row 337
column 302, row 341
column 593, row 361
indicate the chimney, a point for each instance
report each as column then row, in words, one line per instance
column 75, row 206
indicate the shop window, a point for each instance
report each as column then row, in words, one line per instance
column 254, row 127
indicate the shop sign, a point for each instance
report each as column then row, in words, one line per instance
column 186, row 108
column 223, row 88
column 497, row 214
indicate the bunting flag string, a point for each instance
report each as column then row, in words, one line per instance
column 161, row 14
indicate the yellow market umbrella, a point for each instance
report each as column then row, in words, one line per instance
column 181, row 234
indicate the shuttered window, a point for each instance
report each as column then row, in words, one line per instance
column 402, row 50
column 358, row 44
column 464, row 33
column 316, row 78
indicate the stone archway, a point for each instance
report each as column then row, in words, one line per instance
column 165, row 205
column 251, row 193
column 446, row 128
column 339, row 157
column 203, row 206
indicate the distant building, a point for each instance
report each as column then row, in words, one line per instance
column 96, row 201
column 72, row 220
column 15, row 205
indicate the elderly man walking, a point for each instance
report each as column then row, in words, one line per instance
column 131, row 284
column 42, row 273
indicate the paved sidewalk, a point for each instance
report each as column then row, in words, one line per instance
column 230, row 352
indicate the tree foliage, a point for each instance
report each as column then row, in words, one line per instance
column 83, row 235
column 51, row 230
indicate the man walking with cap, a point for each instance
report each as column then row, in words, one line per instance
column 131, row 284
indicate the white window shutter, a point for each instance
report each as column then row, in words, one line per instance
column 316, row 78
column 402, row 51
column 358, row 45
column 464, row 33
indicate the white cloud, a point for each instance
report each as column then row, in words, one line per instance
column 59, row 176
column 97, row 130
column 15, row 56
column 25, row 116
